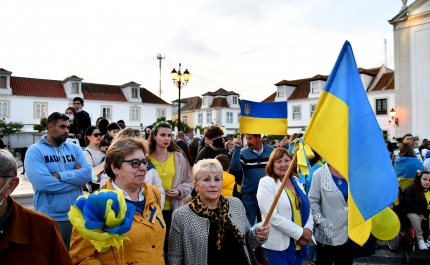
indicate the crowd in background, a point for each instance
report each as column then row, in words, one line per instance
column 196, row 199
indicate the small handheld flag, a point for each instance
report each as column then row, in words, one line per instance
column 263, row 117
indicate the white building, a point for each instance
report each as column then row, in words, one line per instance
column 302, row 96
column 26, row 100
column 411, row 28
column 221, row 108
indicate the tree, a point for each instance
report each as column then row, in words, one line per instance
column 10, row 128
column 42, row 126
column 174, row 123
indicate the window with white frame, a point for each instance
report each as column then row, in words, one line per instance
column 315, row 87
column 229, row 117
column 281, row 91
column 161, row 113
column 205, row 101
column 209, row 117
column 106, row 112
column 4, row 108
column 185, row 119
column 2, row 81
column 312, row 109
column 297, row 114
column 40, row 109
column 75, row 88
column 234, row 100
column 135, row 113
column 200, row 118
column 134, row 92
column 381, row 106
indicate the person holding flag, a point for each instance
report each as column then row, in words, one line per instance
column 342, row 113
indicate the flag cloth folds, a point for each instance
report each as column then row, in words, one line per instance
column 263, row 117
column 344, row 131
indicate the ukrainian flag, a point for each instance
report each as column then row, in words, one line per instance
column 263, row 117
column 344, row 131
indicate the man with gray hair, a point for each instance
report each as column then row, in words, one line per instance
column 26, row 236
column 57, row 169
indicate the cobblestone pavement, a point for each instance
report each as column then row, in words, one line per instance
column 385, row 256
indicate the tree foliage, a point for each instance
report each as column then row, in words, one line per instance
column 10, row 128
column 42, row 126
column 184, row 127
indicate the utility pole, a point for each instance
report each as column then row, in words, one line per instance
column 385, row 47
column 160, row 57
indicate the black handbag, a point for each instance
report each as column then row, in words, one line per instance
column 257, row 255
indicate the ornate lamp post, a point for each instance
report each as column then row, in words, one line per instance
column 178, row 80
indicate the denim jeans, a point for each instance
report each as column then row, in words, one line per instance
column 251, row 206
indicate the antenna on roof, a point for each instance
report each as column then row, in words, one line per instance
column 160, row 57
column 385, row 47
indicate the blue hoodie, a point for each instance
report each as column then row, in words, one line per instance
column 52, row 196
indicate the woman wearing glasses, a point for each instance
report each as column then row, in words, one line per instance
column 291, row 222
column 126, row 166
column 95, row 157
column 172, row 167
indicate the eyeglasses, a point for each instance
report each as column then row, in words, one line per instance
column 97, row 134
column 135, row 163
column 56, row 116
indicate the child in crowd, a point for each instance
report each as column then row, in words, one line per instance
column 112, row 130
column 228, row 182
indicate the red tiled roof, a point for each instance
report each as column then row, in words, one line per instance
column 192, row 103
column 148, row 97
column 102, row 92
column 270, row 98
column 386, row 82
column 319, row 77
column 370, row 71
column 219, row 103
column 220, row 92
column 33, row 87
column 288, row 83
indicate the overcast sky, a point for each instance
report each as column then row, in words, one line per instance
column 244, row 46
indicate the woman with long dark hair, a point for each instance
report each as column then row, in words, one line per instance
column 172, row 167
column 417, row 205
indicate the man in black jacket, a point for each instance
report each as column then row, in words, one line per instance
column 180, row 142
column 83, row 118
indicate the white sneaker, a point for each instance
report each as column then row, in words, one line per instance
column 422, row 245
column 428, row 243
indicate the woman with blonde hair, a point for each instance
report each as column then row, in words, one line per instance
column 172, row 167
column 212, row 229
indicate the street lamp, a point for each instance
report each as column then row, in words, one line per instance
column 178, row 80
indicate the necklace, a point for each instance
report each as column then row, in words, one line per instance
column 161, row 165
column 160, row 158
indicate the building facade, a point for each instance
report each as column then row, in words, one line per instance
column 411, row 27
column 221, row 108
column 302, row 96
column 27, row 100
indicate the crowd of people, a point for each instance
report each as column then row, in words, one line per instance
column 197, row 201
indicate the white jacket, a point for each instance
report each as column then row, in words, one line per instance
column 151, row 177
column 281, row 225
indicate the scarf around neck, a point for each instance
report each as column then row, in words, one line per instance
column 220, row 219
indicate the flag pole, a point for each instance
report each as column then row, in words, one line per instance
column 278, row 195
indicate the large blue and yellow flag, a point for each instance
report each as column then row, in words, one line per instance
column 263, row 117
column 344, row 131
